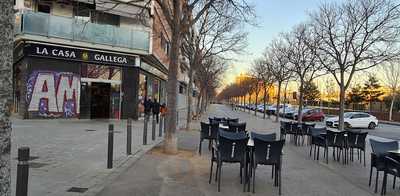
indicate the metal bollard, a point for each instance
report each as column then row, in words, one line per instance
column 160, row 125
column 22, row 171
column 129, row 137
column 153, row 129
column 145, row 129
column 110, row 146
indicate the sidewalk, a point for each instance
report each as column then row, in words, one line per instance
column 73, row 153
column 187, row 173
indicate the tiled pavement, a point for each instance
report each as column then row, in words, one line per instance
column 187, row 173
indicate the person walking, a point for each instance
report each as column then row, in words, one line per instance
column 148, row 104
column 156, row 109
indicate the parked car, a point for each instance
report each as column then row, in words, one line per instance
column 285, row 110
column 315, row 114
column 354, row 120
column 295, row 112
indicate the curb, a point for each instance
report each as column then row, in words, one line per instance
column 117, row 171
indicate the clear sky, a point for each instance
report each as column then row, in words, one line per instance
column 274, row 17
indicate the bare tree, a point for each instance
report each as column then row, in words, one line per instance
column 355, row 36
column 277, row 63
column 180, row 16
column 214, row 34
column 264, row 78
column 302, row 55
column 391, row 72
column 6, row 56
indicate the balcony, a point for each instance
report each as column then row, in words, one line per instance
column 42, row 24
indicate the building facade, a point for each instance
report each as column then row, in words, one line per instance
column 88, row 59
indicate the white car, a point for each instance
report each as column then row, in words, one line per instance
column 354, row 120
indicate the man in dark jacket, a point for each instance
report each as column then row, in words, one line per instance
column 147, row 108
column 156, row 109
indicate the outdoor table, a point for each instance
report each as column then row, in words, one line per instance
column 395, row 152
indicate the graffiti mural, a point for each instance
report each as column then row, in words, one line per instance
column 53, row 94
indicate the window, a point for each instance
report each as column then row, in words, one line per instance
column 182, row 88
column 45, row 8
column 165, row 45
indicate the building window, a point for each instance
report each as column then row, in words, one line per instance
column 165, row 44
column 182, row 88
column 43, row 7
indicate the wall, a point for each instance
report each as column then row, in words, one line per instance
column 160, row 26
column 62, row 10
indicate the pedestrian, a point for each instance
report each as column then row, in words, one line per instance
column 156, row 109
column 163, row 110
column 148, row 104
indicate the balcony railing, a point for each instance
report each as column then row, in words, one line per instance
column 35, row 23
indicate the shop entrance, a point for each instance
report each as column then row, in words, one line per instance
column 100, row 100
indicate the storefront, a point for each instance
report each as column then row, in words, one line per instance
column 62, row 82
column 152, row 85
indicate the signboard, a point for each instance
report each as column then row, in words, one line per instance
column 74, row 54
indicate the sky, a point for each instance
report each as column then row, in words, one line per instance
column 273, row 17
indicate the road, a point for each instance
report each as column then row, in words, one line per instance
column 382, row 130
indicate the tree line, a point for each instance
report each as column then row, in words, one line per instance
column 337, row 40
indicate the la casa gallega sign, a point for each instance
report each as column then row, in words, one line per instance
column 79, row 55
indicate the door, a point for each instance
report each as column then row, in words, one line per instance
column 100, row 100
column 85, row 100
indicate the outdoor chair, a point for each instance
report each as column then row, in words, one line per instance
column 295, row 132
column 356, row 140
column 232, row 120
column 306, row 129
column 337, row 141
column 392, row 167
column 268, row 153
column 208, row 132
column 265, row 137
column 231, row 148
column 316, row 140
column 237, row 127
column 379, row 151
column 284, row 129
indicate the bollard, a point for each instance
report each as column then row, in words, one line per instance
column 160, row 125
column 165, row 123
column 153, row 129
column 129, row 137
column 145, row 129
column 110, row 146
column 22, row 171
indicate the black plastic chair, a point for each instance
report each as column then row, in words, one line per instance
column 232, row 149
column 317, row 140
column 265, row 137
column 232, row 120
column 268, row 153
column 295, row 132
column 337, row 141
column 392, row 167
column 356, row 140
column 306, row 130
column 237, row 127
column 208, row 132
column 379, row 151
column 284, row 129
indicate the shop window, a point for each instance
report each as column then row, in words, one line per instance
column 101, row 72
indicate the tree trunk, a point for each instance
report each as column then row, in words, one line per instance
column 341, row 106
column 171, row 140
column 284, row 100
column 301, row 97
column 249, row 102
column 391, row 106
column 189, row 100
column 6, row 56
column 265, row 99
column 256, row 107
column 278, row 101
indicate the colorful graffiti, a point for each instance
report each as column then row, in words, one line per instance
column 53, row 94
